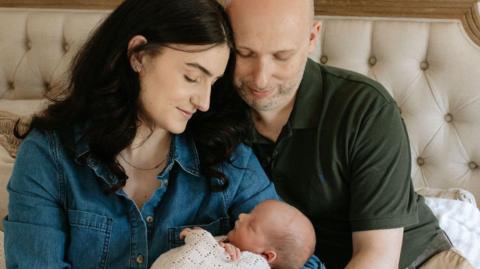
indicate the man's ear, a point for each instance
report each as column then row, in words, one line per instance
column 270, row 256
column 313, row 38
column 136, row 58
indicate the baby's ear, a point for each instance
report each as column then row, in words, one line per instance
column 270, row 256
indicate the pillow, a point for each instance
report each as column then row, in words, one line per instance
column 7, row 124
column 452, row 193
column 461, row 221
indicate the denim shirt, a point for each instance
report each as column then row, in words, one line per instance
column 60, row 215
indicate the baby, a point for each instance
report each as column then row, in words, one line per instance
column 273, row 235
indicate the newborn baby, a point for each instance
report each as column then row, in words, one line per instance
column 273, row 235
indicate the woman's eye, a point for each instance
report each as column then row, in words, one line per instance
column 189, row 79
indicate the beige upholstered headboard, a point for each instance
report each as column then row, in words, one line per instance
column 426, row 53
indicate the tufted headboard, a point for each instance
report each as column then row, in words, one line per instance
column 430, row 65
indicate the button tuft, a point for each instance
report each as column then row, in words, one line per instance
column 372, row 61
column 424, row 65
column 324, row 59
column 473, row 165
column 448, row 117
column 11, row 86
column 420, row 161
column 47, row 85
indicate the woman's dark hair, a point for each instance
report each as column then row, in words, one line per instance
column 104, row 90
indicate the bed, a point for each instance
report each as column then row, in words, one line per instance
column 426, row 54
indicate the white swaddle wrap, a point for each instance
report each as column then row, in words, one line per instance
column 201, row 250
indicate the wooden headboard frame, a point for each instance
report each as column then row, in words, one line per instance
column 467, row 11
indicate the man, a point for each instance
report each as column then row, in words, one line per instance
column 332, row 141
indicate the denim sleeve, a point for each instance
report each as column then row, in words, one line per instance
column 254, row 186
column 35, row 228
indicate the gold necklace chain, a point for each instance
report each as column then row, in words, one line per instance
column 140, row 168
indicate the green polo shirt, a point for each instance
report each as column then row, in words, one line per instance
column 343, row 159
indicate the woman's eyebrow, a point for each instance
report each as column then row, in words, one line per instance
column 201, row 68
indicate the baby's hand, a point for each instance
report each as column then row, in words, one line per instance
column 185, row 231
column 232, row 250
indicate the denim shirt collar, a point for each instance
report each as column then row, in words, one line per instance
column 182, row 151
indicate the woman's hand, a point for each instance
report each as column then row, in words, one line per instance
column 232, row 250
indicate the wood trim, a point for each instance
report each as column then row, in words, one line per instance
column 68, row 4
column 467, row 11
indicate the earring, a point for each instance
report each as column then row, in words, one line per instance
column 137, row 67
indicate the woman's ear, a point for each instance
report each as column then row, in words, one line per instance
column 136, row 58
column 270, row 256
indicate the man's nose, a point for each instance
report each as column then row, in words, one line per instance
column 201, row 100
column 261, row 73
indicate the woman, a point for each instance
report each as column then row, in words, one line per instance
column 107, row 177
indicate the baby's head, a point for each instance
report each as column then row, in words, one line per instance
column 279, row 232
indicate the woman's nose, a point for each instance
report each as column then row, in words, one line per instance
column 201, row 100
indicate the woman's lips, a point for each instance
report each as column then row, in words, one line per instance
column 187, row 114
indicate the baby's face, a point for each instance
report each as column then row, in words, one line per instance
column 249, row 232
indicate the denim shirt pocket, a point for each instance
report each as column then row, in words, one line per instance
column 94, row 229
column 218, row 227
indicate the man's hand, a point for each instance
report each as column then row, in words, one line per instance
column 232, row 250
column 376, row 249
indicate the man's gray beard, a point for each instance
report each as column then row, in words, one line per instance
column 272, row 103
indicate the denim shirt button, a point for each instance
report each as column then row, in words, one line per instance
column 149, row 219
column 140, row 259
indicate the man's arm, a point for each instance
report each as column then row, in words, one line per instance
column 376, row 249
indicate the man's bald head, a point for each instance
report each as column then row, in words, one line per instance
column 309, row 5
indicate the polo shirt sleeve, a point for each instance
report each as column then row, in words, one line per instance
column 382, row 195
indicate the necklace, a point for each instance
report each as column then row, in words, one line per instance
column 141, row 168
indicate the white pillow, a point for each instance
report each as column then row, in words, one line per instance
column 452, row 193
column 461, row 221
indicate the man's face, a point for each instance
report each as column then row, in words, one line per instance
column 273, row 39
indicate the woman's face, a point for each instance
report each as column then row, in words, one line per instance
column 177, row 82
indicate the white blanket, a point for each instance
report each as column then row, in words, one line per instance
column 201, row 250
column 461, row 221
